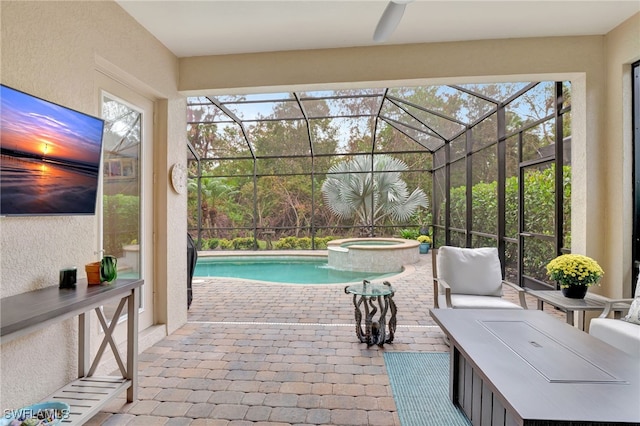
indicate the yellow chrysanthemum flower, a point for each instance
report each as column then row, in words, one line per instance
column 574, row 269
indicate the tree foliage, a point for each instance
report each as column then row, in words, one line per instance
column 367, row 193
column 124, row 213
column 262, row 175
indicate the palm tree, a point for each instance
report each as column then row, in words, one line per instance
column 369, row 193
column 212, row 190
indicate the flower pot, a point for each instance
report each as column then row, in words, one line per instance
column 424, row 248
column 93, row 272
column 575, row 291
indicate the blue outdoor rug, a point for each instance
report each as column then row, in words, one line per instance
column 420, row 385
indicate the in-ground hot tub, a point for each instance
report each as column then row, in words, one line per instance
column 372, row 254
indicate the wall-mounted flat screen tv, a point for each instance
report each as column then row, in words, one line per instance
column 49, row 157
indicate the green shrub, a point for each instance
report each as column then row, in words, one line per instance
column 225, row 244
column 124, row 211
column 303, row 243
column 286, row 243
column 539, row 200
column 243, row 243
column 409, row 234
column 211, row 243
column 321, row 242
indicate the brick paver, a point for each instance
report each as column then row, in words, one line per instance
column 271, row 354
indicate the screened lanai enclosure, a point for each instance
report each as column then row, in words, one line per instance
column 472, row 165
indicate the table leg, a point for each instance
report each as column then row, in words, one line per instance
column 381, row 336
column 369, row 311
column 569, row 317
column 454, row 373
column 369, row 323
column 132, row 344
column 358, row 314
column 84, row 347
column 392, row 319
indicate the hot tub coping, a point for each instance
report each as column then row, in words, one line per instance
column 402, row 244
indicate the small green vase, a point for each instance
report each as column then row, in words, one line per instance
column 108, row 269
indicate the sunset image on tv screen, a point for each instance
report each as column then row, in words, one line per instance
column 50, row 157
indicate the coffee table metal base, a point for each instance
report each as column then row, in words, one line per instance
column 365, row 298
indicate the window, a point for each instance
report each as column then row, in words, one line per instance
column 121, row 188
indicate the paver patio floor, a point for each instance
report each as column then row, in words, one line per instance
column 278, row 354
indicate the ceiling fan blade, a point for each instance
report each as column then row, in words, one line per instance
column 389, row 21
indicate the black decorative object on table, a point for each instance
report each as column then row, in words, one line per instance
column 68, row 278
column 375, row 332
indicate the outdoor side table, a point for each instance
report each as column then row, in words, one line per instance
column 25, row 313
column 367, row 295
column 591, row 302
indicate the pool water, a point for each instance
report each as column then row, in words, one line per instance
column 280, row 269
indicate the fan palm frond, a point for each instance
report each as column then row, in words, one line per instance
column 351, row 190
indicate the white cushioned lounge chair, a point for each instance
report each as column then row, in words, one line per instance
column 623, row 333
column 470, row 278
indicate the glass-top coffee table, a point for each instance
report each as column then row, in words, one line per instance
column 367, row 295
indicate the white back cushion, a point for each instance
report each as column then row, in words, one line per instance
column 470, row 270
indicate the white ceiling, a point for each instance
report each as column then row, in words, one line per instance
column 214, row 27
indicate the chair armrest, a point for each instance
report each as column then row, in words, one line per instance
column 437, row 283
column 521, row 293
column 608, row 307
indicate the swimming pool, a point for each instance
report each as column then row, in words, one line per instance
column 280, row 269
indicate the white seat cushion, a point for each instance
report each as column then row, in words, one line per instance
column 620, row 334
column 462, row 301
column 470, row 270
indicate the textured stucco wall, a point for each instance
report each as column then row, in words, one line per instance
column 52, row 50
column 171, row 216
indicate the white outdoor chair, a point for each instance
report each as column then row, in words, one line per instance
column 470, row 278
column 623, row 333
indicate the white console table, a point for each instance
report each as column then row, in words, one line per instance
column 27, row 312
